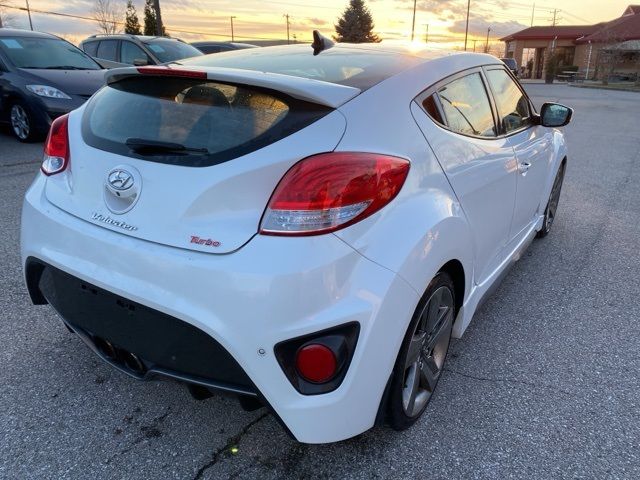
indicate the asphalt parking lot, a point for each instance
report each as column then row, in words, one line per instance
column 544, row 384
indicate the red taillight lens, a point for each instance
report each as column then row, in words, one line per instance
column 56, row 147
column 325, row 192
column 171, row 72
column 316, row 363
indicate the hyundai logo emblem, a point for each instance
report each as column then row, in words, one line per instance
column 120, row 179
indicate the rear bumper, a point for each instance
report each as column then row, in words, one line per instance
column 160, row 343
column 271, row 290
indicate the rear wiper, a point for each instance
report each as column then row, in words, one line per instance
column 155, row 146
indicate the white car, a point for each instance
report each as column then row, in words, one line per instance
column 304, row 229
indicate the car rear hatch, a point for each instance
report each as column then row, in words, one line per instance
column 190, row 159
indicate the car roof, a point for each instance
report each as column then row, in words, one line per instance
column 354, row 65
column 17, row 32
column 142, row 38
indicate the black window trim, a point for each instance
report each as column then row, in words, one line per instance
column 532, row 111
column 433, row 90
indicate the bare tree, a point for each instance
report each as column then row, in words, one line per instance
column 108, row 14
column 609, row 56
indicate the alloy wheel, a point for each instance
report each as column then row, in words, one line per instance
column 427, row 351
column 20, row 122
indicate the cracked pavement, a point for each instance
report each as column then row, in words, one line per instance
column 544, row 383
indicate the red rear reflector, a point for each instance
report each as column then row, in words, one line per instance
column 56, row 147
column 171, row 72
column 326, row 192
column 316, row 363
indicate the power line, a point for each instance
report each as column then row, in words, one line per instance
column 93, row 19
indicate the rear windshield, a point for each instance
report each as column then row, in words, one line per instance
column 171, row 50
column 190, row 122
column 351, row 66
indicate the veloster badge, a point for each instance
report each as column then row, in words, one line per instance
column 98, row 217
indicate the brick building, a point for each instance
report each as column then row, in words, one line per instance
column 584, row 46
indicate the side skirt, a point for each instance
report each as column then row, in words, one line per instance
column 480, row 293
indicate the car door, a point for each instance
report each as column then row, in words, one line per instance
column 3, row 83
column 479, row 164
column 532, row 144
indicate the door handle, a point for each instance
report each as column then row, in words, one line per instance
column 524, row 167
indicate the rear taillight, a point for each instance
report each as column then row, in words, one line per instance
column 326, row 192
column 56, row 148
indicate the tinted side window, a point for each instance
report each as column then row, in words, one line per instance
column 513, row 107
column 107, row 50
column 208, row 49
column 90, row 48
column 466, row 107
column 431, row 107
column 129, row 52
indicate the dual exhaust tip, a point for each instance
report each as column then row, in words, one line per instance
column 129, row 361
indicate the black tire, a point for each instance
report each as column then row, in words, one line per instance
column 551, row 210
column 402, row 413
column 22, row 124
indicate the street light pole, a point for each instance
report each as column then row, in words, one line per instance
column 29, row 13
column 413, row 25
column 486, row 47
column 232, row 37
column 426, row 35
column 286, row 15
column 466, row 30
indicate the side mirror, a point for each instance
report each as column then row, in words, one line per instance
column 140, row 62
column 555, row 115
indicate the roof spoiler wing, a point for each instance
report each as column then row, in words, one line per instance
column 315, row 91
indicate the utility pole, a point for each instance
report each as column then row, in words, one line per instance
column 474, row 45
column 555, row 12
column 286, row 15
column 466, row 30
column 29, row 13
column 159, row 29
column 232, row 37
column 413, row 24
column 533, row 12
column 486, row 47
column 426, row 35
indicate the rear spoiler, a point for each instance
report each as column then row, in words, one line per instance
column 315, row 91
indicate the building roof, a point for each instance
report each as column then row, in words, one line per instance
column 549, row 33
column 632, row 9
column 621, row 29
column 626, row 27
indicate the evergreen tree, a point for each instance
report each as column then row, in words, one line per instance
column 131, row 23
column 149, row 18
column 356, row 24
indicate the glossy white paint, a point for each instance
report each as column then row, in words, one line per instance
column 464, row 200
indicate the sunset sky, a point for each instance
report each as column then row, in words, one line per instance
column 263, row 19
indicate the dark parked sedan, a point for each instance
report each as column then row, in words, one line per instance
column 42, row 77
